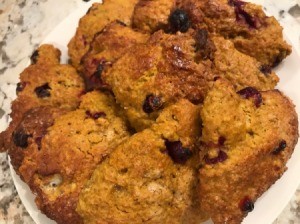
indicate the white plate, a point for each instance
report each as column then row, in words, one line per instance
column 268, row 206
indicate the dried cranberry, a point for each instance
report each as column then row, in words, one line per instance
column 95, row 81
column 221, row 140
column 221, row 157
column 34, row 57
column 278, row 59
column 177, row 152
column 43, row 91
column 95, row 115
column 243, row 16
column 281, row 146
column 152, row 103
column 20, row 138
column 20, row 86
column 38, row 141
column 246, row 204
column 179, row 21
column 250, row 92
column 266, row 69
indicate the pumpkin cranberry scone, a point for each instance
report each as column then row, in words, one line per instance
column 248, row 137
column 156, row 74
column 60, row 155
column 45, row 82
column 97, row 17
column 108, row 45
column 245, row 24
column 150, row 177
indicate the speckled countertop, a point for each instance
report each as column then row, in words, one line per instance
column 25, row 23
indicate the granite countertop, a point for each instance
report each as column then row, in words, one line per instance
column 25, row 23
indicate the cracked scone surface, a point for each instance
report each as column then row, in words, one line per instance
column 68, row 153
column 153, row 188
column 97, row 17
column 240, row 69
column 45, row 82
column 164, row 69
column 107, row 46
column 245, row 24
column 247, row 145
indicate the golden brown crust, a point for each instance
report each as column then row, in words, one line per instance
column 57, row 166
column 240, row 69
column 251, row 31
column 97, row 17
column 164, row 67
column 152, row 189
column 258, row 142
column 30, row 131
column 108, row 46
column 152, row 15
column 44, row 83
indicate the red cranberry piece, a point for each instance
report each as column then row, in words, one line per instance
column 242, row 15
column 250, row 92
column 20, row 86
column 95, row 115
column 34, row 57
column 152, row 103
column 222, row 156
column 281, row 146
column 221, row 140
column 177, row 152
column 179, row 21
column 20, row 138
column 95, row 80
column 266, row 69
column 246, row 204
column 38, row 141
column 43, row 91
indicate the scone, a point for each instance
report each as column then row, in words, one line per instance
column 31, row 130
column 97, row 17
column 240, row 69
column 57, row 163
column 108, row 45
column 245, row 24
column 156, row 74
column 150, row 178
column 248, row 137
column 45, row 82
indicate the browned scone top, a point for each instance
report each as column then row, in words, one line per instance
column 150, row 177
column 30, row 131
column 97, row 17
column 45, row 82
column 240, row 69
column 248, row 137
column 245, row 24
column 108, row 45
column 59, row 159
column 152, row 15
column 156, row 74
